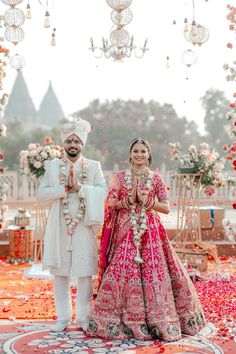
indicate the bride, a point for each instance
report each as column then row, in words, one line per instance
column 144, row 292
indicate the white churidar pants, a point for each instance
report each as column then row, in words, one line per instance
column 63, row 297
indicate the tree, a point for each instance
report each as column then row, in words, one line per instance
column 215, row 105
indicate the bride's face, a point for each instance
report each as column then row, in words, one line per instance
column 139, row 155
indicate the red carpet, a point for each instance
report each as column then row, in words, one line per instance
column 23, row 299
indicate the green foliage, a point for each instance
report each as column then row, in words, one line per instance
column 116, row 123
column 216, row 106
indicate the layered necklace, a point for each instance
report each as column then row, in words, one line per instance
column 138, row 223
column 71, row 223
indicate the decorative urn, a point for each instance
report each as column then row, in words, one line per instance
column 22, row 218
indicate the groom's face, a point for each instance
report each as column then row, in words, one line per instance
column 73, row 146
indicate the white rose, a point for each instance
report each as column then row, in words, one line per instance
column 46, row 148
column 51, row 153
column 37, row 164
column 44, row 155
column 57, row 153
column 24, row 153
column 32, row 153
column 32, row 147
column 192, row 149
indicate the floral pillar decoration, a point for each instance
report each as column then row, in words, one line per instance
column 4, row 54
column 230, row 149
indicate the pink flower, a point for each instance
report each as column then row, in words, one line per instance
column 48, row 140
column 225, row 147
column 209, row 190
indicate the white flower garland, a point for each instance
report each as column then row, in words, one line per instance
column 71, row 223
column 138, row 229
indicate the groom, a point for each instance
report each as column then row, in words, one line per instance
column 77, row 187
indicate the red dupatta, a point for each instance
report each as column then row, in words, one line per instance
column 106, row 239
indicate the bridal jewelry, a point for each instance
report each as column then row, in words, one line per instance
column 72, row 223
column 138, row 229
column 139, row 171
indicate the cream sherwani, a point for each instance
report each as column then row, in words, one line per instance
column 82, row 260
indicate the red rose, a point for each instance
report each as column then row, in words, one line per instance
column 234, row 163
column 234, row 205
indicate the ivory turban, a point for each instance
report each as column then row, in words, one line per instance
column 79, row 127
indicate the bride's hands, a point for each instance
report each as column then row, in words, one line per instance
column 133, row 194
column 141, row 196
column 144, row 198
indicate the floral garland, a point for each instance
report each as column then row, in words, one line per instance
column 138, row 228
column 72, row 223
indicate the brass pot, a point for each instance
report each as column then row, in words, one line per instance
column 22, row 218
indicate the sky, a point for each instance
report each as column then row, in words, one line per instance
column 78, row 78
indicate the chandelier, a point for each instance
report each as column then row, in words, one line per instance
column 195, row 33
column 121, row 44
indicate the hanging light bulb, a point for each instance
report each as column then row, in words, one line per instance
column 167, row 62
column 53, row 38
column 28, row 13
column 46, row 22
column 193, row 29
column 186, row 26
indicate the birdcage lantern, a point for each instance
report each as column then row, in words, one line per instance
column 14, row 34
column 119, row 5
column 14, row 17
column 197, row 34
column 17, row 62
column 189, row 57
column 11, row 3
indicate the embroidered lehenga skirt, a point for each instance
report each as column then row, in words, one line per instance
column 153, row 299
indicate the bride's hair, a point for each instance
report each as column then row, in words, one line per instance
column 145, row 143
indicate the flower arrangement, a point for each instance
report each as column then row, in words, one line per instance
column 231, row 117
column 203, row 160
column 139, row 228
column 231, row 153
column 32, row 161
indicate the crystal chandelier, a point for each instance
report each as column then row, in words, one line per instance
column 121, row 44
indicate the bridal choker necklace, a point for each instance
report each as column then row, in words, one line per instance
column 139, row 171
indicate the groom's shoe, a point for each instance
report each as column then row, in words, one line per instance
column 84, row 325
column 60, row 326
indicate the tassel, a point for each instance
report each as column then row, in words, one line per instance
column 138, row 258
column 69, row 246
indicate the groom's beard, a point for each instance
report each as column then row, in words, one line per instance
column 73, row 152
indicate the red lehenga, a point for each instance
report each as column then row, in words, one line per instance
column 155, row 299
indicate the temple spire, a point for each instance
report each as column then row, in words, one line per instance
column 50, row 112
column 20, row 104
